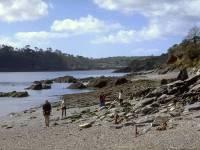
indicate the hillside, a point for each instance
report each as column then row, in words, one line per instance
column 28, row 59
column 145, row 63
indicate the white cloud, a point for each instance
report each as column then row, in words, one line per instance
column 87, row 24
column 166, row 17
column 128, row 36
column 122, row 36
column 22, row 10
column 38, row 36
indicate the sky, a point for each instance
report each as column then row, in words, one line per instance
column 98, row 28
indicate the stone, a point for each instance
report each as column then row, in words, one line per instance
column 37, row 86
column 116, row 126
column 159, row 120
column 99, row 82
column 130, row 123
column 121, row 81
column 158, row 91
column 183, row 75
column 195, row 106
column 195, row 88
column 111, row 115
column 65, row 79
column 175, row 113
column 19, row 94
column 147, row 101
column 86, row 125
column 77, row 85
column 146, row 119
column 163, row 99
column 147, row 110
column 46, row 86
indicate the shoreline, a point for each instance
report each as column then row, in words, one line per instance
column 66, row 134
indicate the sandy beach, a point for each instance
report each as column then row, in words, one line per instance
column 26, row 130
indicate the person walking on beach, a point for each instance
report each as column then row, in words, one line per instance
column 63, row 108
column 46, row 112
column 120, row 97
column 102, row 100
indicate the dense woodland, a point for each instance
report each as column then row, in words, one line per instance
column 28, row 59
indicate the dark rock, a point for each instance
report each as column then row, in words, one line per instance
column 77, row 85
column 46, row 86
column 47, row 82
column 147, row 101
column 155, row 104
column 121, row 81
column 43, row 82
column 183, row 75
column 14, row 94
column 99, row 82
column 86, row 79
column 147, row 110
column 167, row 81
column 163, row 82
column 160, row 120
column 116, row 126
column 4, row 94
column 65, row 79
column 145, row 120
column 158, row 91
column 37, row 86
column 195, row 106
column 128, row 124
column 163, row 99
column 19, row 94
column 143, row 93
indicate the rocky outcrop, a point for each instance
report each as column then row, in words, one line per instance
column 65, row 79
column 120, row 81
column 183, row 75
column 77, row 85
column 99, row 82
column 39, row 86
column 14, row 94
column 43, row 82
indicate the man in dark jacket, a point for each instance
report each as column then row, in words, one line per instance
column 46, row 112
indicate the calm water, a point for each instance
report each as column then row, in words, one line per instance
column 18, row 81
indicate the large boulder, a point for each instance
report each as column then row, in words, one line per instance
column 99, row 82
column 195, row 106
column 183, row 74
column 14, row 94
column 158, row 91
column 19, row 94
column 65, row 79
column 77, row 85
column 121, row 81
column 43, row 82
column 37, row 86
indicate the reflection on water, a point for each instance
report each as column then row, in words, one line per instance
column 18, row 81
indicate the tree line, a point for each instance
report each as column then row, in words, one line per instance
column 36, row 59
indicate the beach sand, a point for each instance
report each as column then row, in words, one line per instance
column 26, row 130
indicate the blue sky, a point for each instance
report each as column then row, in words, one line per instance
column 98, row 28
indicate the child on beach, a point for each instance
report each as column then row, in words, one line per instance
column 63, row 108
column 46, row 112
column 120, row 97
